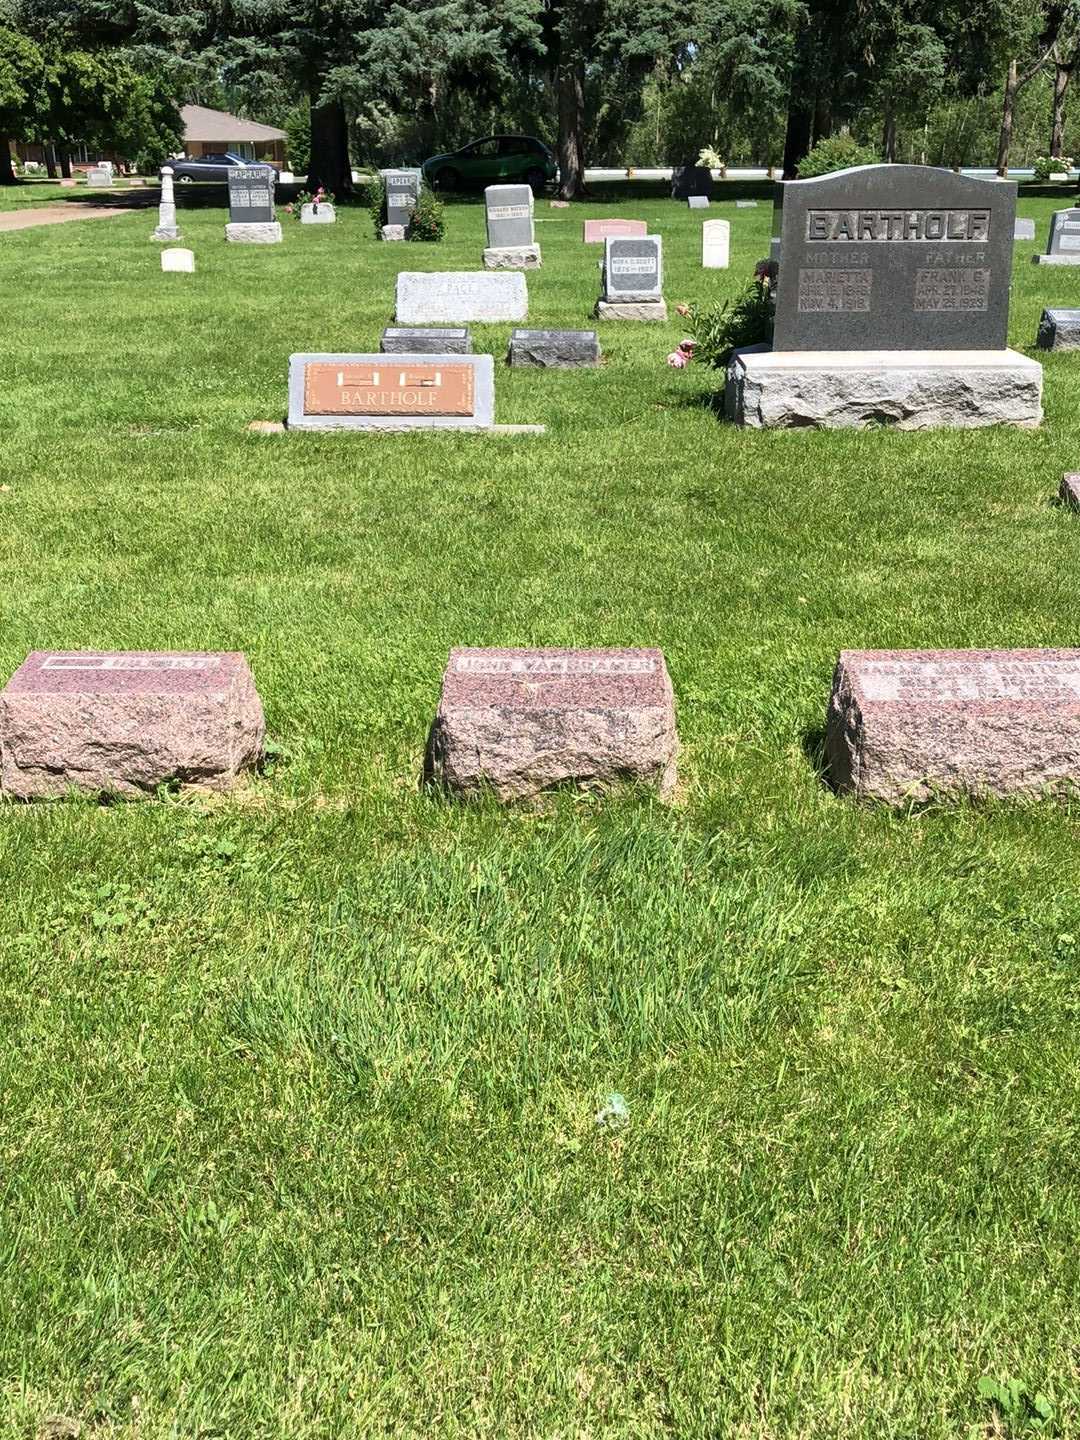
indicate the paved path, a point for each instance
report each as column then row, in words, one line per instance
column 57, row 214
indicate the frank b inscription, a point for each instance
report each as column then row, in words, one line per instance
column 389, row 389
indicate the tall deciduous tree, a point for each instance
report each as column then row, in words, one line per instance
column 21, row 74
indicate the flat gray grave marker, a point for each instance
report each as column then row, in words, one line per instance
column 1024, row 230
column 903, row 257
column 391, row 392
column 460, row 297
column 745, row 204
column 416, row 340
column 555, row 349
column 697, row 202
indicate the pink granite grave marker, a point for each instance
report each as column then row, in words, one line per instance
column 515, row 722
column 597, row 231
column 906, row 724
column 125, row 722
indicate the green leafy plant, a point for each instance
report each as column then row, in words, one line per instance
column 376, row 202
column 728, row 325
column 837, row 152
column 428, row 218
column 1022, row 1411
column 711, row 158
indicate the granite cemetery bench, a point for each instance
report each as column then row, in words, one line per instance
column 892, row 307
column 511, row 238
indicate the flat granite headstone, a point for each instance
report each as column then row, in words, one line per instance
column 715, row 244
column 400, row 340
column 555, row 349
column 516, row 722
column 251, row 195
column 907, row 724
column 697, row 202
column 1059, row 330
column 459, row 297
column 688, row 180
column 123, row 723
column 633, row 269
column 178, row 260
column 595, row 232
column 391, row 392
column 1024, row 230
column 1063, row 245
column 321, row 214
column 402, row 193
column 903, row 257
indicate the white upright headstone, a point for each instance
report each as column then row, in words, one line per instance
column 181, row 261
column 715, row 244
column 166, row 226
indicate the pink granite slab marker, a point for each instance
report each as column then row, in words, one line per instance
column 597, row 231
column 124, row 722
column 515, row 722
column 907, row 724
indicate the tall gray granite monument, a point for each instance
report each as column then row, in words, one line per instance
column 891, row 307
column 633, row 279
column 402, row 193
column 511, row 239
column 252, row 218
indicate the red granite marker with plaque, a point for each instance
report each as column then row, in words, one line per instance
column 124, row 722
column 908, row 724
column 597, row 231
column 516, row 722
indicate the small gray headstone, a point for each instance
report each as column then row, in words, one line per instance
column 402, row 193
column 1024, row 230
column 99, row 176
column 633, row 268
column 251, row 195
column 391, row 392
column 555, row 349
column 1063, row 246
column 400, row 340
column 697, row 202
column 509, row 213
column 1059, row 330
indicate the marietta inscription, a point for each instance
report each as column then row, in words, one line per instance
column 848, row 290
column 898, row 225
column 388, row 389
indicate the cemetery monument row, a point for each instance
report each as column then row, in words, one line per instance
column 511, row 239
column 123, row 723
column 515, row 722
column 891, row 306
column 633, row 278
column 1063, row 244
column 906, row 724
column 391, row 392
column 252, row 218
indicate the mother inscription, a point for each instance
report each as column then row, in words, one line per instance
column 894, row 257
column 906, row 724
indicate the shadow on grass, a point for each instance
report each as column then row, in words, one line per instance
column 812, row 741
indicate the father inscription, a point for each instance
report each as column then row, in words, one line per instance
column 874, row 258
column 906, row 724
column 516, row 722
column 124, row 722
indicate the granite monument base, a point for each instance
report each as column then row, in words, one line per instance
column 512, row 257
column 393, row 232
column 513, row 723
column 908, row 724
column 910, row 389
column 1059, row 259
column 168, row 233
column 268, row 233
column 115, row 723
column 631, row 310
column 1059, row 330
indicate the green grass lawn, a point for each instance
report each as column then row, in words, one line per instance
column 297, row 1132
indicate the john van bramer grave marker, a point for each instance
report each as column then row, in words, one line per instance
column 906, row 724
column 251, row 206
column 892, row 306
column 516, row 722
column 391, row 392
column 123, row 723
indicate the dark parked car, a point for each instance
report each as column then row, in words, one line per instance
column 487, row 162
column 213, row 167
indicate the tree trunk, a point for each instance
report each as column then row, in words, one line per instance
column 823, row 123
column 65, row 164
column 570, row 83
column 7, row 174
column 50, row 160
column 800, row 120
column 328, row 164
column 1008, row 111
column 888, row 138
column 1062, row 76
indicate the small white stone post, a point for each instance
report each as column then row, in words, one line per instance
column 166, row 226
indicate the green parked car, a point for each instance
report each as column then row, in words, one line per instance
column 487, row 162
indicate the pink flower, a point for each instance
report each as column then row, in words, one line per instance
column 677, row 360
column 687, row 347
column 288, row 209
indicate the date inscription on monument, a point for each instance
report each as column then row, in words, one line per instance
column 897, row 225
column 847, row 290
column 508, row 212
column 389, row 389
column 79, row 661
column 975, row 679
column 952, row 289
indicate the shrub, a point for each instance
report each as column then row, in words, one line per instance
column 376, row 202
column 728, row 325
column 838, row 152
column 298, row 144
column 428, row 219
column 1047, row 165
